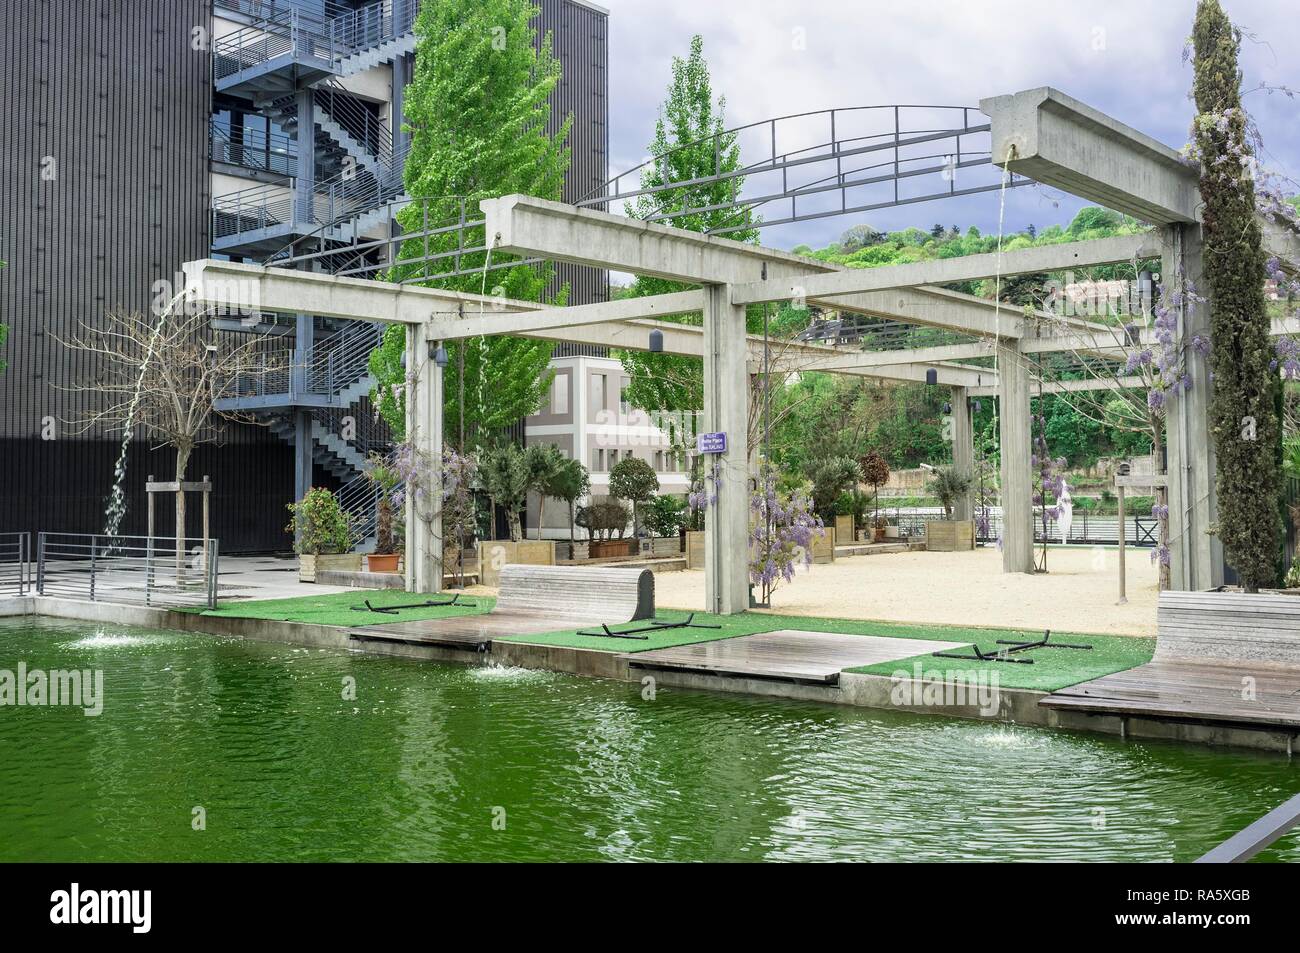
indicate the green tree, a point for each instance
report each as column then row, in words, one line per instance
column 1243, row 407
column 571, row 483
column 504, row 473
column 477, row 110
column 634, row 480
column 543, row 461
column 690, row 142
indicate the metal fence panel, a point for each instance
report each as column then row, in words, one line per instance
column 149, row 570
column 15, row 563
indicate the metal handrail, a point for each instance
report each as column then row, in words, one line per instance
column 1253, row 838
column 130, row 569
column 15, row 563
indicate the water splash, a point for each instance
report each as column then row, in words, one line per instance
column 116, row 508
column 509, row 674
column 483, row 341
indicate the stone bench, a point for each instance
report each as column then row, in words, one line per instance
column 1228, row 628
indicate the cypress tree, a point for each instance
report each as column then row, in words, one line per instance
column 1243, row 414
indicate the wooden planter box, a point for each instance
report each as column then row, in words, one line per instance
column 844, row 528
column 606, row 548
column 823, row 548
column 891, row 532
column 666, row 546
column 695, row 549
column 581, row 549
column 495, row 553
column 309, row 564
column 949, row 536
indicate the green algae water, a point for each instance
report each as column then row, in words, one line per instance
column 454, row 763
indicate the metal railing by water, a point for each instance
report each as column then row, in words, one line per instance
column 148, row 570
column 1250, row 840
column 15, row 563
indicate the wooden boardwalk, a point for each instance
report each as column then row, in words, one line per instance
column 1198, row 691
column 786, row 654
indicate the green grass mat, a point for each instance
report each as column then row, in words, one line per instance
column 336, row 608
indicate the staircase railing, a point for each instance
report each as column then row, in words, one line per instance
column 362, row 124
column 343, row 359
column 256, row 149
column 326, row 38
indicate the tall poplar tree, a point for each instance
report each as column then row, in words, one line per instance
column 478, row 111
column 1243, row 409
column 690, row 142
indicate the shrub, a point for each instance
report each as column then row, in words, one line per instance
column 948, row 485
column 634, row 480
column 666, row 515
column 603, row 519
column 321, row 526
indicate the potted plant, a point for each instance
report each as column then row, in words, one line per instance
column 878, row 527
column 385, row 480
column 634, row 480
column 949, row 535
column 607, row 521
column 875, row 471
column 571, row 483
column 323, row 535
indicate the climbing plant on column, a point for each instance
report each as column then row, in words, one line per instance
column 1243, row 408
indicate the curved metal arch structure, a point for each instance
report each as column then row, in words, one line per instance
column 826, row 163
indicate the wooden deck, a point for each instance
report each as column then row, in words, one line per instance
column 472, row 633
column 787, row 654
column 1199, row 691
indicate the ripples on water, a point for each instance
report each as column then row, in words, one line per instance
column 425, row 757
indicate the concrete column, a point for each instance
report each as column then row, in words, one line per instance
column 1014, row 433
column 1196, row 557
column 726, row 410
column 424, row 433
column 401, row 76
column 963, row 451
column 306, row 138
column 302, row 459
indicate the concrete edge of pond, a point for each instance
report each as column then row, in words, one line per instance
column 1005, row 707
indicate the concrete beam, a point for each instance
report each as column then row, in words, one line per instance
column 1128, row 382
column 1055, row 139
column 1047, row 258
column 529, row 226
column 263, row 288
column 1282, row 243
column 915, row 355
column 544, row 318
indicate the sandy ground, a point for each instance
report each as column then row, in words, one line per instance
column 1077, row 594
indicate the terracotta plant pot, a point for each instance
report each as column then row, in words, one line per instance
column 382, row 563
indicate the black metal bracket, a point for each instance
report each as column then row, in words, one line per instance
column 427, row 604
column 1043, row 643
column 655, row 625
column 979, row 656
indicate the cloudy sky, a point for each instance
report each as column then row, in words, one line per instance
column 779, row 57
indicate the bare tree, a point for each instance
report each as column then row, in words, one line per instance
column 162, row 373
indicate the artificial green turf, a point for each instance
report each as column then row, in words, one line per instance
column 1052, row 668
column 336, row 608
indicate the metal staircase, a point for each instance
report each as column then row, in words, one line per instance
column 289, row 48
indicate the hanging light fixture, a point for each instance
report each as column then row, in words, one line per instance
column 439, row 355
column 656, row 341
column 947, row 408
column 978, row 405
column 931, row 375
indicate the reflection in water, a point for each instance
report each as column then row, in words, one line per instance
column 427, row 762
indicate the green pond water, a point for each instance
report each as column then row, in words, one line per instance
column 442, row 762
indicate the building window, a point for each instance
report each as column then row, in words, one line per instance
column 623, row 405
column 613, row 459
column 659, row 461
column 560, row 394
column 598, row 461
column 597, row 393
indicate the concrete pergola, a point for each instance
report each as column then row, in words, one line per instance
column 1041, row 133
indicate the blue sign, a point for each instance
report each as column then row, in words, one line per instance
column 711, row 443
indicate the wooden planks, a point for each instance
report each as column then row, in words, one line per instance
column 786, row 654
column 1191, row 691
column 1231, row 627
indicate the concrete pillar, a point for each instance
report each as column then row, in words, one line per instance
column 726, row 410
column 424, row 433
column 306, row 138
column 1196, row 557
column 963, row 451
column 1014, row 434
column 401, row 76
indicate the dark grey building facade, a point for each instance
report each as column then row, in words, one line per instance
column 134, row 128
